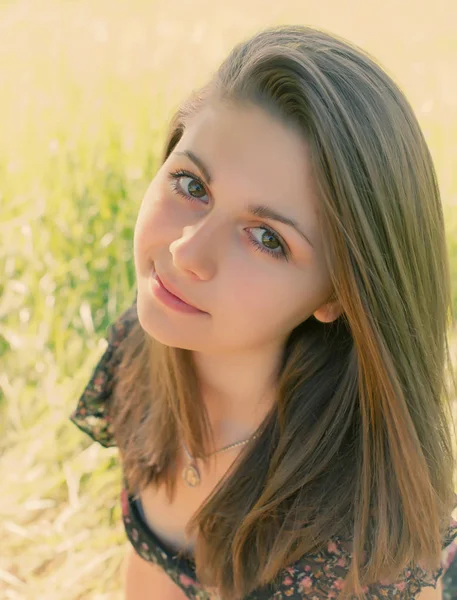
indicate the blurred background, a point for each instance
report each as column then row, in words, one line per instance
column 86, row 90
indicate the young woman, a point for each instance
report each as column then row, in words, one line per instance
column 278, row 390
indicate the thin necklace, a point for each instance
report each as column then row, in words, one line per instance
column 190, row 473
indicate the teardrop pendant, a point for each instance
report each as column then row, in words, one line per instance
column 191, row 475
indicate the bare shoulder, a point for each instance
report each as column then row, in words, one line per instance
column 141, row 578
column 429, row 593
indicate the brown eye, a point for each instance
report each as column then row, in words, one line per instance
column 192, row 188
column 270, row 240
column 195, row 188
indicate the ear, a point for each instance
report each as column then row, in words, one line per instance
column 328, row 312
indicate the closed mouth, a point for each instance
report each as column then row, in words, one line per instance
column 173, row 291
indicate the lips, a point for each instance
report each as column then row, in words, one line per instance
column 172, row 290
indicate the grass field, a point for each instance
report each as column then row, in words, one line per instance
column 86, row 89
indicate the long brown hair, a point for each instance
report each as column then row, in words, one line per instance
column 359, row 444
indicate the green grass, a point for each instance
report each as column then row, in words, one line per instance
column 86, row 89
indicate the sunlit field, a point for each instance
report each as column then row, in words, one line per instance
column 86, row 89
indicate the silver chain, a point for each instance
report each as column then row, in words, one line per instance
column 253, row 437
column 191, row 474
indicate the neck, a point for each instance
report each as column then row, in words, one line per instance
column 238, row 389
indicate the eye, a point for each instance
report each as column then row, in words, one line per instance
column 195, row 187
column 270, row 242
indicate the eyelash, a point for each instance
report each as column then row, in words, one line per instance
column 176, row 175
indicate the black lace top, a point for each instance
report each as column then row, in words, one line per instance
column 318, row 576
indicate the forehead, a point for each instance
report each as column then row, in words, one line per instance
column 248, row 148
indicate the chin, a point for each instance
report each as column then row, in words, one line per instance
column 161, row 326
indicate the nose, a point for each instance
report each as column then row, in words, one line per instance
column 196, row 251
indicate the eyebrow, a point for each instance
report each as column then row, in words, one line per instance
column 258, row 210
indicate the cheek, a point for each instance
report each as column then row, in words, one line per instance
column 155, row 219
column 274, row 307
column 255, row 316
column 262, row 301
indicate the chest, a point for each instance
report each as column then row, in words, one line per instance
column 169, row 520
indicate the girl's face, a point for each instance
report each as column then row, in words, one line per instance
column 230, row 222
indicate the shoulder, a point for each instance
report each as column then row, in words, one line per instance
column 121, row 327
column 91, row 414
column 430, row 593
